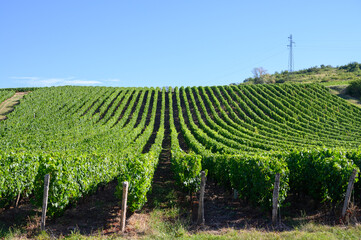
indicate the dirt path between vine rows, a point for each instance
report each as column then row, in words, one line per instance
column 8, row 105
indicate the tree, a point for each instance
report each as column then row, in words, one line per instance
column 259, row 75
column 354, row 89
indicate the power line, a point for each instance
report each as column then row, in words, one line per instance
column 248, row 66
column 290, row 59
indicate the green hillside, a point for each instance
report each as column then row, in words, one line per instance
column 243, row 135
column 326, row 75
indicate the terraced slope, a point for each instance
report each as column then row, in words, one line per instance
column 83, row 137
column 87, row 136
column 260, row 118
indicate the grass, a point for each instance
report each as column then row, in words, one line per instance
column 171, row 221
column 177, row 230
column 312, row 232
column 8, row 105
column 166, row 224
column 336, row 82
column 339, row 90
column 326, row 75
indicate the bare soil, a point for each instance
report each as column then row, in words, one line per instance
column 8, row 105
column 99, row 214
column 340, row 90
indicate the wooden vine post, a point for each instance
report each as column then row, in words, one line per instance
column 275, row 198
column 45, row 201
column 124, row 206
column 235, row 194
column 200, row 219
column 348, row 192
column 17, row 200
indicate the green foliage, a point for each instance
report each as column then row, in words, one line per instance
column 21, row 89
column 17, row 174
column 355, row 155
column 234, row 128
column 139, row 174
column 321, row 174
column 72, row 176
column 330, row 75
column 5, row 94
column 252, row 176
column 85, row 137
column 351, row 67
column 139, row 168
column 354, row 89
column 82, row 137
column 187, row 167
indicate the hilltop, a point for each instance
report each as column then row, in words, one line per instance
column 326, row 75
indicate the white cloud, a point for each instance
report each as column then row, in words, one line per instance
column 25, row 78
column 82, row 82
column 48, row 82
column 112, row 80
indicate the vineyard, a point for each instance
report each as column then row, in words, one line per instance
column 85, row 137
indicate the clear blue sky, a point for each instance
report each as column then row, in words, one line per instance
column 169, row 43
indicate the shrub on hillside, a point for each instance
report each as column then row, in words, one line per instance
column 354, row 89
column 352, row 67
